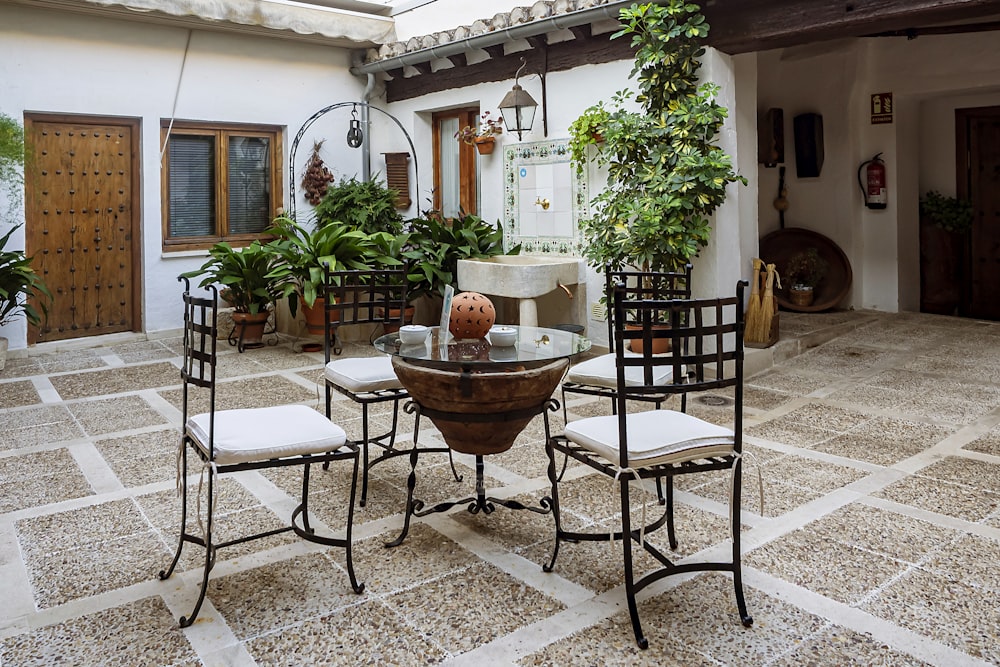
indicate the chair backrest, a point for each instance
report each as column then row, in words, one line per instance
column 645, row 285
column 364, row 296
column 706, row 345
column 200, row 358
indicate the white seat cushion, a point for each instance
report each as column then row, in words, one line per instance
column 260, row 434
column 654, row 437
column 602, row 371
column 363, row 374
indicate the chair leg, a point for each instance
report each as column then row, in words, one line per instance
column 554, row 481
column 669, row 500
column 165, row 574
column 358, row 588
column 364, row 447
column 633, row 609
column 186, row 621
column 741, row 602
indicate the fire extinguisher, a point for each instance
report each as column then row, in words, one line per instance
column 874, row 187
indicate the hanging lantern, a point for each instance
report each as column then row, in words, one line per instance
column 518, row 107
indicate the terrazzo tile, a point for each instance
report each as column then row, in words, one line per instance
column 16, row 394
column 764, row 399
column 80, row 527
column 34, row 480
column 779, row 497
column 832, row 569
column 513, row 529
column 841, row 646
column 828, row 417
column 789, row 432
column 944, row 609
column 966, row 471
column 142, row 459
column 246, row 393
column 885, row 441
column 116, row 380
column 82, row 572
column 38, row 426
column 838, row 362
column 115, row 414
column 701, row 615
column 74, row 360
column 473, row 607
column 869, row 397
column 970, row 559
column 881, row 531
column 147, row 350
column 424, row 555
column 20, row 367
column 365, row 634
column 142, row 632
column 944, row 409
column 163, row 508
column 225, row 527
column 787, row 381
column 942, row 497
column 272, row 596
column 988, row 443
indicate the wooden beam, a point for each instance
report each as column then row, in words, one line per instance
column 560, row 56
column 758, row 25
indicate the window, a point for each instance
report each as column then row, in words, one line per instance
column 456, row 175
column 220, row 183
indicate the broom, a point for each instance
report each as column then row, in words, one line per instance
column 767, row 308
column 753, row 306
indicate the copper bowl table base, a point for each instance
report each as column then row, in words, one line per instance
column 478, row 413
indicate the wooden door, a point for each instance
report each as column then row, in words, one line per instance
column 81, row 226
column 979, row 180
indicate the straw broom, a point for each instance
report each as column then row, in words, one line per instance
column 767, row 307
column 753, row 306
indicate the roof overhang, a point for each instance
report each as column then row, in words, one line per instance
column 326, row 25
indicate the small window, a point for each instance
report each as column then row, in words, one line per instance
column 220, row 183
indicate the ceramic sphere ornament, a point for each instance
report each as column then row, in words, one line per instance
column 472, row 315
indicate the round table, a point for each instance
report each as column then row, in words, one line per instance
column 480, row 396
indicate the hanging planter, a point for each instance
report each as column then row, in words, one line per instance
column 485, row 145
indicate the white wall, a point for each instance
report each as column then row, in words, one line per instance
column 65, row 63
column 929, row 77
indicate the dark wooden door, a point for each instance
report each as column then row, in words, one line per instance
column 979, row 181
column 81, row 225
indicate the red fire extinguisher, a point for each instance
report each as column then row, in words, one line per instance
column 874, row 187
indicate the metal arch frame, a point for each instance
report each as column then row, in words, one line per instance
column 322, row 112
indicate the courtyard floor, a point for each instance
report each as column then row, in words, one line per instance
column 877, row 437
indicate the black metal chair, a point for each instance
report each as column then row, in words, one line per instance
column 663, row 443
column 249, row 439
column 365, row 297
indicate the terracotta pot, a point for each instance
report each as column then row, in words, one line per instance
column 250, row 327
column 660, row 345
column 314, row 316
column 485, row 145
column 801, row 297
column 484, row 396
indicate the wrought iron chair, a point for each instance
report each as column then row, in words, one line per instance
column 249, row 439
column 663, row 443
column 366, row 296
column 598, row 376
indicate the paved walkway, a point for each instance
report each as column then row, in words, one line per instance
column 877, row 437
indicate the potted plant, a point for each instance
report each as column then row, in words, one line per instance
column 666, row 175
column 302, row 254
column 585, row 131
column 803, row 273
column 944, row 227
column 368, row 206
column 436, row 245
column 482, row 137
column 247, row 277
column 19, row 283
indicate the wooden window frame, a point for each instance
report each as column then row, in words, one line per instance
column 221, row 132
column 467, row 159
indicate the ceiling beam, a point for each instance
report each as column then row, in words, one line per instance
column 759, row 25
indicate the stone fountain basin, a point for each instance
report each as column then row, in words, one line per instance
column 517, row 276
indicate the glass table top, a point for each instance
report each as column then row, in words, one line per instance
column 530, row 344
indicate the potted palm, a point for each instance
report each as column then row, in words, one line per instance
column 368, row 206
column 666, row 175
column 303, row 253
column 247, row 278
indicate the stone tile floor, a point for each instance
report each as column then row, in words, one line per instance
column 878, row 438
